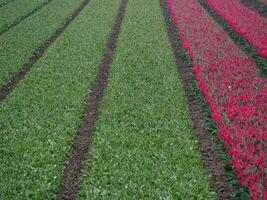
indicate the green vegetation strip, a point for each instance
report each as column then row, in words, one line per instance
column 21, row 43
column 41, row 118
column 16, row 11
column 144, row 146
column 5, row 2
column 244, row 44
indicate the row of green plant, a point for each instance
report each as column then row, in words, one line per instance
column 40, row 119
column 16, row 11
column 20, row 43
column 144, row 146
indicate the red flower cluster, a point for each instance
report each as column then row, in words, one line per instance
column 244, row 21
column 236, row 94
column 263, row 1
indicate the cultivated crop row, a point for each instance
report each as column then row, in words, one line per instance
column 19, row 44
column 144, row 145
column 136, row 126
column 244, row 21
column 236, row 95
column 199, row 113
column 76, row 165
column 40, row 119
column 16, row 11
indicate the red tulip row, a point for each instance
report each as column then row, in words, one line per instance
column 236, row 94
column 244, row 21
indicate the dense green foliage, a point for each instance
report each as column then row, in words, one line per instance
column 39, row 120
column 144, row 146
column 14, row 11
column 20, row 43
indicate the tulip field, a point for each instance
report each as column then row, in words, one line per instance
column 133, row 99
column 249, row 25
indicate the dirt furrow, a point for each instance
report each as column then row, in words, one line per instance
column 210, row 155
column 38, row 54
column 76, row 163
column 22, row 18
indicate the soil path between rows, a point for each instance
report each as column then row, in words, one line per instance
column 209, row 152
column 22, row 18
column 39, row 53
column 76, row 163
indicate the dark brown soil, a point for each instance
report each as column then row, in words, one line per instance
column 212, row 158
column 22, row 18
column 38, row 54
column 76, row 163
column 253, row 6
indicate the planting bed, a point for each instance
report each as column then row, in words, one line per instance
column 243, row 44
column 144, row 145
column 17, row 11
column 213, row 159
column 74, row 170
column 244, row 21
column 7, row 89
column 40, row 119
column 235, row 93
column 15, row 48
column 121, row 99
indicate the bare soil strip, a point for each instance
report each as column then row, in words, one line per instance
column 76, row 163
column 258, row 7
column 4, row 4
column 38, row 54
column 210, row 155
column 22, row 18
